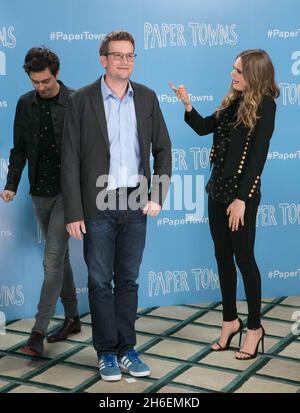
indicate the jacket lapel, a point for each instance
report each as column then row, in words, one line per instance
column 139, row 104
column 98, row 107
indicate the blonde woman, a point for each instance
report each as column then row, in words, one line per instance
column 242, row 128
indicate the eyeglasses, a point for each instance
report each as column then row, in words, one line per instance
column 119, row 57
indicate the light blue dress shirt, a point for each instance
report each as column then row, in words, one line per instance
column 125, row 166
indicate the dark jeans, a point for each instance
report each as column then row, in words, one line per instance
column 239, row 244
column 113, row 248
column 58, row 276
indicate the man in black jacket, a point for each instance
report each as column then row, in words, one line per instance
column 111, row 128
column 38, row 129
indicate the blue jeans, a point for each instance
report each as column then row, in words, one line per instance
column 58, row 275
column 113, row 249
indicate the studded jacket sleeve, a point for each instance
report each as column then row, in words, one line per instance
column 258, row 149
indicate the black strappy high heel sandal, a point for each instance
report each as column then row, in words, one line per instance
column 253, row 356
column 227, row 345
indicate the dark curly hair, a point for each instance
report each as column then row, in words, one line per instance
column 38, row 59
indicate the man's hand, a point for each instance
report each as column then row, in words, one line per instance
column 236, row 211
column 7, row 195
column 152, row 208
column 182, row 95
column 76, row 229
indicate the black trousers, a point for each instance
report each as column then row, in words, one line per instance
column 239, row 245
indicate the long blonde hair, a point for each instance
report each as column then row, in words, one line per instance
column 259, row 75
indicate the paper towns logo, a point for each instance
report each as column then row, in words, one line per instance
column 7, row 40
column 11, row 295
column 171, row 282
column 282, row 214
column 195, row 34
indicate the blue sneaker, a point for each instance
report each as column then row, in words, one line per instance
column 108, row 367
column 132, row 364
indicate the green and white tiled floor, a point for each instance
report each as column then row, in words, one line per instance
column 175, row 342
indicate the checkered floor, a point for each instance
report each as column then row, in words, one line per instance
column 175, row 342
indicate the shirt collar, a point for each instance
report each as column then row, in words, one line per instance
column 107, row 93
column 62, row 98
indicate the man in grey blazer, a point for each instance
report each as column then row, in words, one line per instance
column 111, row 126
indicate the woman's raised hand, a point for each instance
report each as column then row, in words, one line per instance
column 182, row 95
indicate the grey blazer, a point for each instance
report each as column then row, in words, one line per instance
column 86, row 154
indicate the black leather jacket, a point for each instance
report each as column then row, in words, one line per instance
column 26, row 135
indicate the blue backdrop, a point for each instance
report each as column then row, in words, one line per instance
column 193, row 43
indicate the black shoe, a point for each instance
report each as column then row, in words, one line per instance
column 227, row 345
column 34, row 345
column 70, row 326
column 253, row 356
